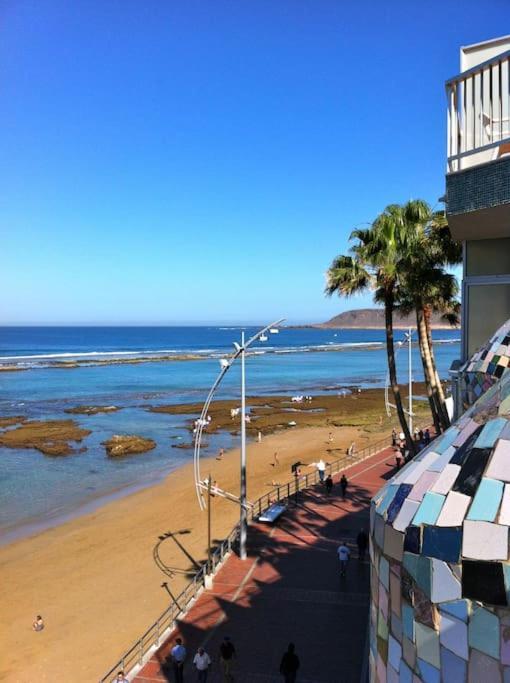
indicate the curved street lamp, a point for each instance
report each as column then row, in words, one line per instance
column 200, row 485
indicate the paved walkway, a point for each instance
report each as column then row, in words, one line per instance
column 289, row 589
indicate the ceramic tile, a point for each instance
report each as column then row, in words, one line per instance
column 409, row 652
column 443, row 543
column 405, row 673
column 446, row 479
column 483, row 669
column 456, row 608
column 505, row 644
column 425, row 612
column 490, row 433
column 406, row 514
column 485, row 541
column 408, row 621
column 454, row 509
column 466, row 429
column 391, row 675
column 484, row 582
column 483, row 631
column 442, row 460
column 453, row 668
column 412, row 539
column 428, row 673
column 384, row 572
column 382, row 626
column 420, row 568
column 412, row 474
column 427, row 644
column 381, row 670
column 429, row 509
column 379, row 531
column 486, row 502
column 444, row 584
column 471, row 471
column 396, row 626
column 504, row 512
column 396, row 503
column 393, row 543
column 499, row 466
column 446, row 440
column 465, row 449
column 395, row 593
column 453, row 634
column 506, row 674
column 394, row 653
column 424, row 484
column 383, row 601
column 386, row 498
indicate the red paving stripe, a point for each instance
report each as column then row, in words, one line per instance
column 261, row 589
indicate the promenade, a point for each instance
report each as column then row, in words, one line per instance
column 289, row 590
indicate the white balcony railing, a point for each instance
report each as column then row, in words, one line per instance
column 479, row 114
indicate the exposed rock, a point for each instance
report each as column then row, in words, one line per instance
column 373, row 318
column 91, row 410
column 127, row 444
column 51, row 437
column 10, row 421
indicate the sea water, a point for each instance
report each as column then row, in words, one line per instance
column 36, row 490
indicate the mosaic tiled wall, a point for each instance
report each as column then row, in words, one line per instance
column 486, row 366
column 440, row 561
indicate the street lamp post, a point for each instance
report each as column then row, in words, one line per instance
column 200, row 485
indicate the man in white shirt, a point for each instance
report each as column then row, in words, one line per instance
column 343, row 555
column 321, row 469
column 202, row 662
column 178, row 655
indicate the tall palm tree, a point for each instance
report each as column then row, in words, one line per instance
column 374, row 264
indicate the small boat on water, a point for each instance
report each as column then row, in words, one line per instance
column 274, row 330
column 263, row 337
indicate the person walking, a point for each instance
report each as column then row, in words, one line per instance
column 343, row 485
column 38, row 624
column 321, row 469
column 202, row 662
column 178, row 655
column 227, row 655
column 120, row 678
column 362, row 542
column 343, row 555
column 329, row 484
column 398, row 458
column 394, row 437
column 290, row 664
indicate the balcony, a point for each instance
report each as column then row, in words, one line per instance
column 479, row 106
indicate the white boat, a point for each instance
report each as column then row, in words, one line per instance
column 274, row 330
column 263, row 337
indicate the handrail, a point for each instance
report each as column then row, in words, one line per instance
column 165, row 623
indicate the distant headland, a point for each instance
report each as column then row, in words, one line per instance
column 373, row 319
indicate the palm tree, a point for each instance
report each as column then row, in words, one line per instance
column 374, row 264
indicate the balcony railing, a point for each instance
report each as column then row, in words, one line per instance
column 479, row 114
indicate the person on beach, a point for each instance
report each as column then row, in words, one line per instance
column 259, row 437
column 275, row 459
column 393, row 437
column 426, row 437
column 329, row 484
column 120, row 678
column 343, row 555
column 350, row 450
column 362, row 543
column 202, row 662
column 221, row 454
column 290, row 664
column 227, row 655
column 343, row 485
column 178, row 655
column 321, row 469
column 330, row 437
column 38, row 624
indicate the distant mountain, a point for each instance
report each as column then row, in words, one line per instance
column 373, row 318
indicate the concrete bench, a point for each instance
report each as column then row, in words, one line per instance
column 272, row 513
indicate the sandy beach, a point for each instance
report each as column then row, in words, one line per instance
column 94, row 578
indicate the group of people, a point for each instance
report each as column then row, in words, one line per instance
column 421, row 438
column 328, row 480
column 202, row 662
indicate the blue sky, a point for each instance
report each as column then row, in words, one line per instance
column 166, row 162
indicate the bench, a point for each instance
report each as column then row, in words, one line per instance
column 272, row 513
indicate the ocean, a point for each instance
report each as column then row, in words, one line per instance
column 37, row 491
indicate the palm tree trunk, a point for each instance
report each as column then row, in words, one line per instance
column 392, row 369
column 443, row 412
column 427, row 366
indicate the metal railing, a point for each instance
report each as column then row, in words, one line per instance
column 165, row 624
column 478, row 113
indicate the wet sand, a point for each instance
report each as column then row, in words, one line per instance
column 94, row 578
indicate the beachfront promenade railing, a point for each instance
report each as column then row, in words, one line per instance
column 160, row 630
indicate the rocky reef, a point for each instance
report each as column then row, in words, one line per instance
column 91, row 410
column 51, row 437
column 127, row 444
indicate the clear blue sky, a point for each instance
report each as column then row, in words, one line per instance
column 174, row 161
